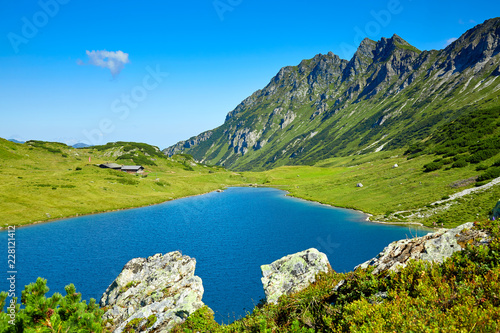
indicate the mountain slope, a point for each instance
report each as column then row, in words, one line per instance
column 387, row 96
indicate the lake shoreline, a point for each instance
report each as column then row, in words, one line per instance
column 368, row 215
column 104, row 211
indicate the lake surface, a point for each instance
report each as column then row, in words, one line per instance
column 231, row 234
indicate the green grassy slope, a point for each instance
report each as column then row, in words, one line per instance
column 39, row 184
column 44, row 181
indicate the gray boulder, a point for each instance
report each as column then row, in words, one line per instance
column 434, row 247
column 153, row 294
column 292, row 273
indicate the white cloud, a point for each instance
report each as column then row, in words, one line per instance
column 114, row 61
column 449, row 41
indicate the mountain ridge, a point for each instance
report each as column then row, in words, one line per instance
column 388, row 95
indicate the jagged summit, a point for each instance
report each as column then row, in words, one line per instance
column 475, row 48
column 388, row 94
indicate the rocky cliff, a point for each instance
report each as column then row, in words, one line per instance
column 386, row 96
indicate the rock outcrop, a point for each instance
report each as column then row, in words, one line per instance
column 192, row 142
column 153, row 294
column 432, row 247
column 292, row 273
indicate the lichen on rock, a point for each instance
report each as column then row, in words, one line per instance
column 153, row 294
column 434, row 247
column 292, row 273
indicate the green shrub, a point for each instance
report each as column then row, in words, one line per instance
column 151, row 321
column 202, row 320
column 433, row 166
column 489, row 174
column 78, row 168
column 481, row 167
column 482, row 155
column 55, row 151
column 53, row 314
column 460, row 164
column 133, row 325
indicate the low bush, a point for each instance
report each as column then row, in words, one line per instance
column 481, row 167
column 460, row 164
column 490, row 174
column 53, row 314
column 482, row 155
column 433, row 166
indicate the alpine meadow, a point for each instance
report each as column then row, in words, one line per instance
column 407, row 137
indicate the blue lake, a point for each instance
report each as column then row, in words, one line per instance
column 231, row 234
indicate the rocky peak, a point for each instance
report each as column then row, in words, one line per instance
column 389, row 47
column 361, row 59
column 474, row 48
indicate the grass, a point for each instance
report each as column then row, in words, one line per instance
column 38, row 185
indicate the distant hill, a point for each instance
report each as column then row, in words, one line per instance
column 80, row 145
column 77, row 145
column 389, row 95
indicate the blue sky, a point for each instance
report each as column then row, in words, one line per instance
column 188, row 62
